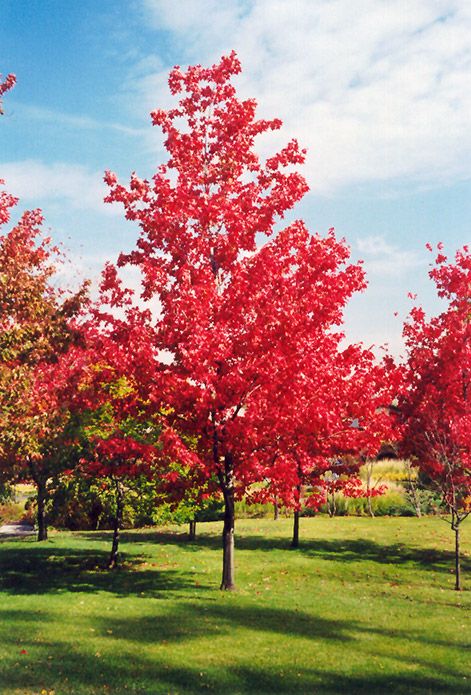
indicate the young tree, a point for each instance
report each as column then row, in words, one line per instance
column 40, row 425
column 119, row 461
column 119, row 426
column 334, row 414
column 189, row 494
column 435, row 405
column 237, row 320
column 41, row 352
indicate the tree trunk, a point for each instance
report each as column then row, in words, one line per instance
column 192, row 530
column 41, row 515
column 295, row 539
column 412, row 491
column 331, row 504
column 276, row 511
column 369, row 475
column 297, row 499
column 113, row 561
column 457, row 557
column 416, row 502
column 370, row 506
column 227, row 583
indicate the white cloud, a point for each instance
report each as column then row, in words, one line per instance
column 35, row 182
column 386, row 260
column 82, row 122
column 378, row 90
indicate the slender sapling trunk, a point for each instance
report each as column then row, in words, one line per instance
column 455, row 525
column 369, row 475
column 114, row 556
column 41, row 513
column 276, row 509
column 295, row 539
column 457, row 559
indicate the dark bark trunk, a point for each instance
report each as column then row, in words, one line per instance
column 114, row 555
column 276, row 510
column 192, row 530
column 295, row 539
column 227, row 583
column 331, row 504
column 457, row 558
column 41, row 514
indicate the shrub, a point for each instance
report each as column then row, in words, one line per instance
column 244, row 510
column 392, row 503
column 83, row 504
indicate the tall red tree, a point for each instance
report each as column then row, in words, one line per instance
column 237, row 322
column 435, row 407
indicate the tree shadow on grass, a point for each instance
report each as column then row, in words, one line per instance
column 145, row 676
column 56, row 665
column 329, row 682
column 154, row 537
column 30, row 568
column 356, row 550
column 339, row 550
column 391, row 554
column 190, row 619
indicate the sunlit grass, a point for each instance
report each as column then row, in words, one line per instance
column 364, row 606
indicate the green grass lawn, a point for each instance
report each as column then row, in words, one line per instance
column 364, row 606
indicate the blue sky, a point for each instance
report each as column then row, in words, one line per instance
column 378, row 90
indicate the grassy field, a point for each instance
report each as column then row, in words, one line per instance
column 364, row 606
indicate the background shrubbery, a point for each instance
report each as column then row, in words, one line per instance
column 85, row 504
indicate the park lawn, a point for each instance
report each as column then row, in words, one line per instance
column 363, row 606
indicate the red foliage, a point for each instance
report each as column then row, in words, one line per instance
column 41, row 353
column 255, row 369
column 120, row 456
column 435, row 404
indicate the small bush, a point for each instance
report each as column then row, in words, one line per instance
column 84, row 504
column 338, row 505
column 11, row 512
column 244, row 510
column 392, row 503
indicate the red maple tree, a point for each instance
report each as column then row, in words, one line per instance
column 435, row 406
column 239, row 321
column 330, row 415
column 41, row 347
